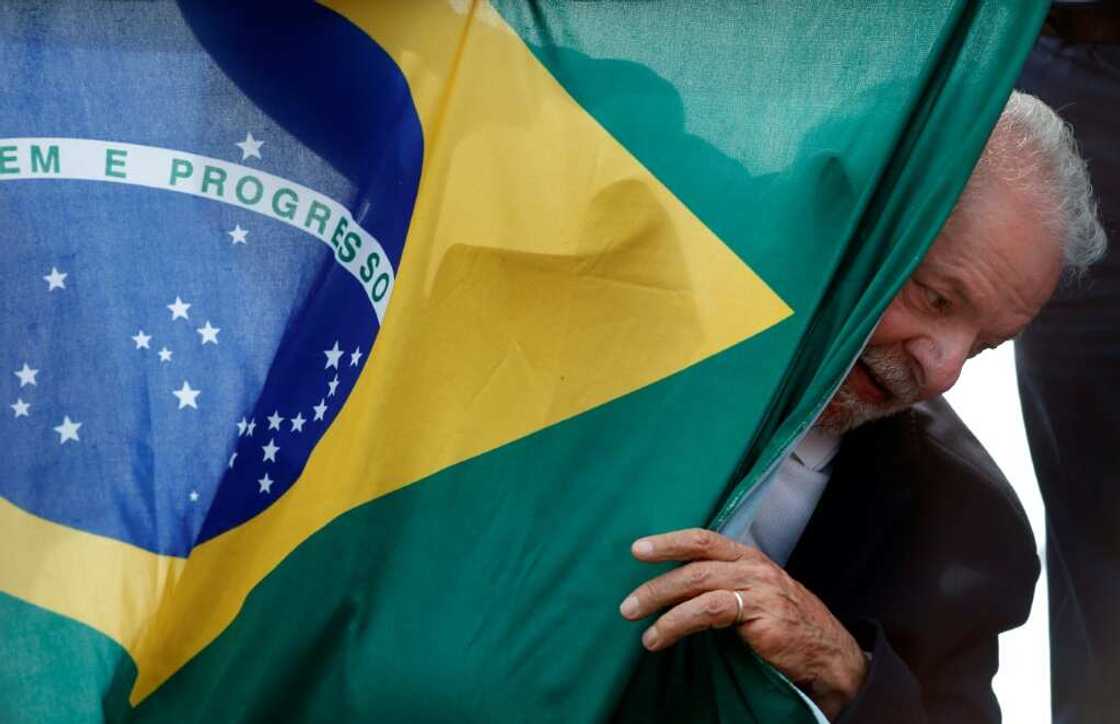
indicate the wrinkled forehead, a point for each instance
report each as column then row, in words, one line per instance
column 999, row 255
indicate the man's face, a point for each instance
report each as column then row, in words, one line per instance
column 986, row 275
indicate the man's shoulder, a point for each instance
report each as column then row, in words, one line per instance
column 935, row 542
column 935, row 492
column 929, row 449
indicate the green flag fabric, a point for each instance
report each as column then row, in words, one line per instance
column 355, row 342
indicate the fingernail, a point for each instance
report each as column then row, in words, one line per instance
column 629, row 607
column 649, row 638
column 643, row 547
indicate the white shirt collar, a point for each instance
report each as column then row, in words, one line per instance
column 817, row 448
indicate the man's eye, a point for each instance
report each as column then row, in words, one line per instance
column 936, row 302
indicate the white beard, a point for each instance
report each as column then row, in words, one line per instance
column 847, row 411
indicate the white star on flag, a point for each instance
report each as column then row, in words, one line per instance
column 297, row 422
column 274, row 420
column 142, row 340
column 178, row 309
column 231, row 459
column 55, row 280
column 209, row 333
column 242, row 426
column 238, row 234
column 250, row 147
column 194, row 496
column 332, row 386
column 20, row 407
column 355, row 356
column 164, row 354
column 320, row 409
column 252, row 426
column 333, row 354
column 26, row 375
column 187, row 396
column 269, row 451
column 68, row 430
column 266, row 484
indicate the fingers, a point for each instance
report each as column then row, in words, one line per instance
column 688, row 545
column 714, row 609
column 699, row 595
column 689, row 581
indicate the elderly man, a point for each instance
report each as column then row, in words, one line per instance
column 899, row 577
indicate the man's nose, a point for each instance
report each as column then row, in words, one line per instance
column 938, row 361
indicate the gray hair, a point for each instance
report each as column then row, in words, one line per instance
column 1034, row 149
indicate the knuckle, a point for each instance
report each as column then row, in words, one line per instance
column 668, row 626
column 701, row 540
column 697, row 576
column 647, row 592
column 768, row 575
column 713, row 606
column 754, row 555
column 669, row 620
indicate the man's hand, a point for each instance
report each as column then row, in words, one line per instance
column 780, row 619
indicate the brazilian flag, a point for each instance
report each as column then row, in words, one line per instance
column 346, row 347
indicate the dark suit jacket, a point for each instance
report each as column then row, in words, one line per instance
column 920, row 547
